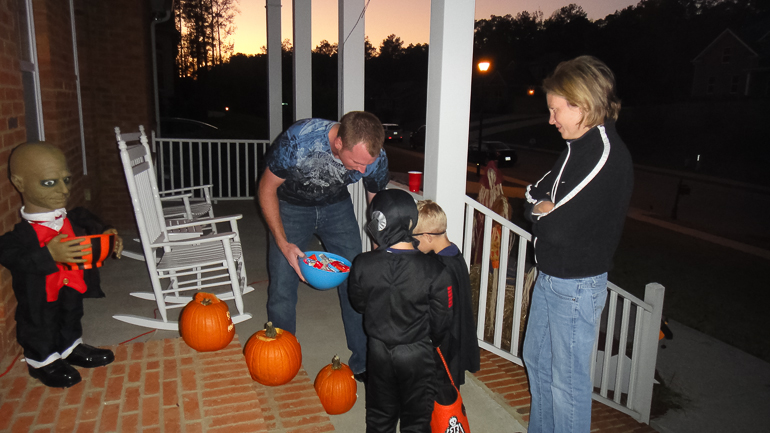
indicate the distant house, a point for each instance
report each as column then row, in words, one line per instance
column 729, row 67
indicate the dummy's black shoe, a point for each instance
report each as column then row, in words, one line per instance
column 89, row 357
column 57, row 374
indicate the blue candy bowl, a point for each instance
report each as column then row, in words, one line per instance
column 320, row 278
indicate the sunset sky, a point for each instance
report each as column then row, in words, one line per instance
column 407, row 19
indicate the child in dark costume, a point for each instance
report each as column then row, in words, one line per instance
column 49, row 294
column 461, row 346
column 406, row 300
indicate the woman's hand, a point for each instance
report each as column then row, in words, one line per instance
column 542, row 208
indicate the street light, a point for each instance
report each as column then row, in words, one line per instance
column 483, row 68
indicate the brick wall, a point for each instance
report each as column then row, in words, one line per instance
column 116, row 84
column 12, row 133
column 115, row 64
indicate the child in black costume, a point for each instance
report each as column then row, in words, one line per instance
column 461, row 346
column 406, row 300
column 49, row 294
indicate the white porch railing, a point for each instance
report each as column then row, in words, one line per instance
column 629, row 325
column 231, row 166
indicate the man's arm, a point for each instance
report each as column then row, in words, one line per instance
column 268, row 201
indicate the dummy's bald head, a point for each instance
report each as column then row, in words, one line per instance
column 39, row 172
column 24, row 157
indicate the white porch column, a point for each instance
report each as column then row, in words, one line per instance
column 449, row 93
column 274, row 97
column 350, row 57
column 350, row 83
column 303, row 77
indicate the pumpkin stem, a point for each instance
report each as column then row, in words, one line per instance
column 270, row 330
column 206, row 302
column 336, row 363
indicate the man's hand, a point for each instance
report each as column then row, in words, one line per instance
column 67, row 252
column 292, row 253
column 118, row 242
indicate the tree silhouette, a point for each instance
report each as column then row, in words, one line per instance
column 392, row 47
column 326, row 49
column 205, row 27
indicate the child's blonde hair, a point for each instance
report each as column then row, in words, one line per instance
column 432, row 218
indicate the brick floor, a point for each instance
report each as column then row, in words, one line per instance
column 509, row 381
column 164, row 386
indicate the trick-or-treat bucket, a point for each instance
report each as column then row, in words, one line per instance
column 101, row 248
column 324, row 276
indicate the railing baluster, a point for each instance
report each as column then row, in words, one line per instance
column 200, row 164
column 622, row 349
column 229, row 177
column 190, row 162
column 521, row 266
column 219, row 172
column 635, row 357
column 162, row 157
column 468, row 235
column 609, row 338
column 238, row 171
column 211, row 172
column 484, row 277
column 171, row 164
column 502, row 280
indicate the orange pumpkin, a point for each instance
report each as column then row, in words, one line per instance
column 336, row 387
column 205, row 323
column 273, row 356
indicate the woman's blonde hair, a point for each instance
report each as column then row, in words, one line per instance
column 432, row 218
column 586, row 82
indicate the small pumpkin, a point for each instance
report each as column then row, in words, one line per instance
column 205, row 323
column 273, row 356
column 336, row 387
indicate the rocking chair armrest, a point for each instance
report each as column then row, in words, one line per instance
column 207, row 221
column 214, row 237
column 176, row 197
column 187, row 188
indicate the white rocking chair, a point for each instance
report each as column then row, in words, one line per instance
column 188, row 203
column 205, row 261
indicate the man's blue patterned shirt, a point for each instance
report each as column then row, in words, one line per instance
column 302, row 156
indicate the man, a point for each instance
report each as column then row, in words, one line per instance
column 303, row 192
column 50, row 294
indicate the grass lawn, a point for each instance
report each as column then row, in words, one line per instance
column 716, row 290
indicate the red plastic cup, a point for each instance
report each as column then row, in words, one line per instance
column 415, row 181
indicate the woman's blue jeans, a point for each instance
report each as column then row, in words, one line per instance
column 563, row 324
column 338, row 230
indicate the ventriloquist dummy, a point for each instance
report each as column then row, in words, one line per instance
column 50, row 294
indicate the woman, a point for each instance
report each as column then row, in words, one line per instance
column 578, row 210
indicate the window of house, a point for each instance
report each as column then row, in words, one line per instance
column 710, row 87
column 727, row 55
column 734, row 84
column 33, row 107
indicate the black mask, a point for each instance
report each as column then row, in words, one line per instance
column 392, row 217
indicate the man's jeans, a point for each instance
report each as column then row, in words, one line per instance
column 338, row 230
column 563, row 324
